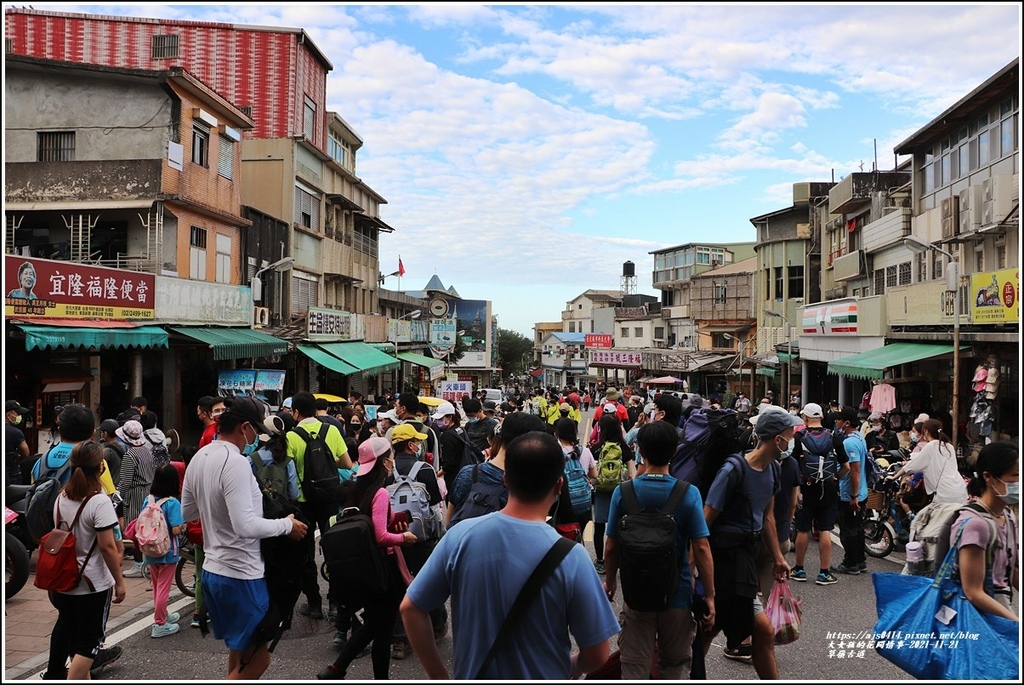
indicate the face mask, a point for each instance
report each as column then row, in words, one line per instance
column 786, row 452
column 876, row 427
column 18, row 419
column 1012, row 494
column 251, row 447
column 914, row 439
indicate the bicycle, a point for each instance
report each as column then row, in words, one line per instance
column 885, row 523
column 185, row 571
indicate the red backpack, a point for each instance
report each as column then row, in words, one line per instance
column 57, row 568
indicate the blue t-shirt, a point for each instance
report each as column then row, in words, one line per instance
column 54, row 459
column 653, row 490
column 742, row 513
column 172, row 513
column 481, row 564
column 857, row 449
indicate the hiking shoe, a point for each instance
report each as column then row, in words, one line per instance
column 862, row 567
column 173, row 617
column 340, row 640
column 331, row 673
column 744, row 653
column 195, row 621
column 135, row 571
column 798, row 575
column 312, row 610
column 164, row 630
column 104, row 658
column 848, row 570
column 400, row 650
column 599, row 565
column 825, row 579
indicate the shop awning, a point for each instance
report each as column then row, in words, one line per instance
column 766, row 371
column 784, row 357
column 419, row 360
column 873, row 363
column 327, row 360
column 88, row 337
column 235, row 343
column 361, row 355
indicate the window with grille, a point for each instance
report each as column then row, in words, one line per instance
column 937, row 263
column 880, row 282
column 625, row 332
column 720, row 293
column 225, row 157
column 307, row 209
column 904, row 273
column 778, row 284
column 165, row 47
column 1001, row 256
column 891, row 277
column 197, row 253
column 309, row 120
column 719, row 341
column 638, row 332
column 304, row 295
column 55, row 146
column 201, row 145
column 223, row 258
column 659, row 332
column 922, row 267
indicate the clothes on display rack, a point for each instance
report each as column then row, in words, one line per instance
column 883, row 398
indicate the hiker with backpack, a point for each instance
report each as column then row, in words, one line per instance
column 943, row 483
column 156, row 441
column 483, row 566
column 823, row 462
column 113, row 449
column 318, row 450
column 156, row 532
column 653, row 521
column 96, row 581
column 614, row 466
column 368, row 496
column 853, row 492
column 574, row 507
column 270, row 463
column 137, row 471
column 740, row 512
column 15, row 447
column 457, row 449
column 220, row 489
column 414, row 495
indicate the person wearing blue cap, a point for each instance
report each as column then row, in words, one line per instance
column 739, row 509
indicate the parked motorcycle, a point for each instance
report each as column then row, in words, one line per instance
column 16, row 562
column 886, row 525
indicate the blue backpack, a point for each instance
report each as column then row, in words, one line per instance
column 819, row 463
column 579, row 487
column 709, row 436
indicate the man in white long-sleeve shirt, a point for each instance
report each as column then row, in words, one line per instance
column 220, row 489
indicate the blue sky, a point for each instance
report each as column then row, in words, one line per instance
column 527, row 151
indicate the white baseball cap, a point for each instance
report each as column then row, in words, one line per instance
column 443, row 409
column 812, row 411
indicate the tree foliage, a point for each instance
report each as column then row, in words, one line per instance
column 515, row 352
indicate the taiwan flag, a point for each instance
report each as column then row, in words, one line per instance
column 401, row 268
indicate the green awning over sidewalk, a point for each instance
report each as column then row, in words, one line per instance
column 327, row 360
column 420, row 360
column 873, row 363
column 361, row 355
column 236, row 343
column 76, row 337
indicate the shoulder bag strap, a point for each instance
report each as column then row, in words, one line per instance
column 526, row 596
column 92, row 547
column 629, row 500
column 676, row 496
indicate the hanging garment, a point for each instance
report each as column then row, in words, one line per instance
column 883, row 398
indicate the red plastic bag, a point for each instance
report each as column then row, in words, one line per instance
column 783, row 610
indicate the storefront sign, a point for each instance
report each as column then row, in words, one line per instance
column 598, row 340
column 328, row 324
column 197, row 302
column 268, row 379
column 616, row 359
column 454, row 391
column 442, row 335
column 237, row 380
column 44, row 287
column 995, row 296
column 838, row 317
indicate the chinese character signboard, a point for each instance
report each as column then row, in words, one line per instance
column 196, row 302
column 454, row 391
column 616, row 359
column 441, row 335
column 598, row 340
column 994, row 296
column 43, row 287
column 268, row 379
column 236, row 380
column 328, row 324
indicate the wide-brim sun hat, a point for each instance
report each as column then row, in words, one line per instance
column 131, row 433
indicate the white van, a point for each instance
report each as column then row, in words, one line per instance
column 494, row 395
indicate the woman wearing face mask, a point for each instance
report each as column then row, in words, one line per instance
column 996, row 486
column 937, row 461
column 917, row 439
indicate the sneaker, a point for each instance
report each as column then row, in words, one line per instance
column 826, row 579
column 173, row 617
column 135, row 571
column 331, row 673
column 798, row 575
column 400, row 650
column 744, row 653
column 850, row 571
column 599, row 565
column 340, row 640
column 862, row 567
column 313, row 611
column 164, row 630
column 104, row 658
column 195, row 621
column 332, row 610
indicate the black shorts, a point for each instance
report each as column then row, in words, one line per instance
column 86, row 619
column 820, row 508
column 736, row 585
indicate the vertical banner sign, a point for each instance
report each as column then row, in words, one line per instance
column 454, row 391
column 995, row 296
column 441, row 336
column 44, row 287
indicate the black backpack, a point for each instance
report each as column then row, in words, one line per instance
column 709, row 437
column 281, row 557
column 648, row 557
column 471, row 454
column 321, row 483
column 483, row 498
column 42, row 496
column 351, row 555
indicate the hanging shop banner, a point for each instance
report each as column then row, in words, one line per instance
column 616, row 359
column 44, row 287
column 328, row 324
column 269, row 379
column 598, row 340
column 442, row 335
column 995, row 296
column 236, row 380
column 454, row 391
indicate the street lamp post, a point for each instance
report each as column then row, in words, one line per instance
column 789, row 352
column 396, row 379
column 256, row 285
column 916, row 245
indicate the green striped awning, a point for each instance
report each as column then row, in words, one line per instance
column 873, row 363
column 327, row 360
column 361, row 355
column 784, row 357
column 78, row 337
column 420, row 360
column 235, row 343
column 767, row 371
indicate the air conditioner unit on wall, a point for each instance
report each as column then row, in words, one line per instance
column 261, row 318
column 950, row 216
